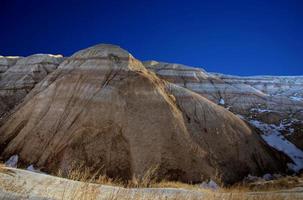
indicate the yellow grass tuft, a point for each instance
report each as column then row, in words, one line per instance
column 4, row 170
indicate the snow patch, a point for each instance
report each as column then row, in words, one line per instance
column 275, row 139
column 210, row 185
column 12, row 57
column 265, row 177
column 55, row 56
column 12, row 161
column 221, row 101
column 259, row 110
column 33, row 169
column 268, row 177
column 295, row 98
column 251, row 178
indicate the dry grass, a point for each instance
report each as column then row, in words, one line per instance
column 83, row 174
column 246, row 196
column 10, row 185
column 148, row 180
column 85, row 190
column 175, row 184
column 282, row 183
column 145, row 181
column 5, row 170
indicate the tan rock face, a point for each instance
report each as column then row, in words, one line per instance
column 103, row 108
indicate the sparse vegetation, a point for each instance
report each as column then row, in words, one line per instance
column 282, row 183
column 84, row 174
column 88, row 188
column 5, row 170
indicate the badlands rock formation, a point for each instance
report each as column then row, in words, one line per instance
column 103, row 108
column 239, row 94
column 274, row 105
column 20, row 75
column 6, row 62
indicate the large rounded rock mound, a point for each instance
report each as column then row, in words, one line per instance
column 103, row 108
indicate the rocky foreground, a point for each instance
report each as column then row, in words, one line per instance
column 20, row 184
column 121, row 117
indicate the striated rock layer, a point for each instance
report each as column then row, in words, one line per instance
column 21, row 75
column 103, row 108
column 7, row 61
column 239, row 94
column 272, row 104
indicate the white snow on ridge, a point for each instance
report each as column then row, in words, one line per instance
column 275, row 139
column 55, row 56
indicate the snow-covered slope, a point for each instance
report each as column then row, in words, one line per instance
column 273, row 136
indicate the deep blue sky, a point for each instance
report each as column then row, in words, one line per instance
column 240, row 37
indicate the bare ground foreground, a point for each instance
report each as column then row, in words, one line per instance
column 23, row 184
